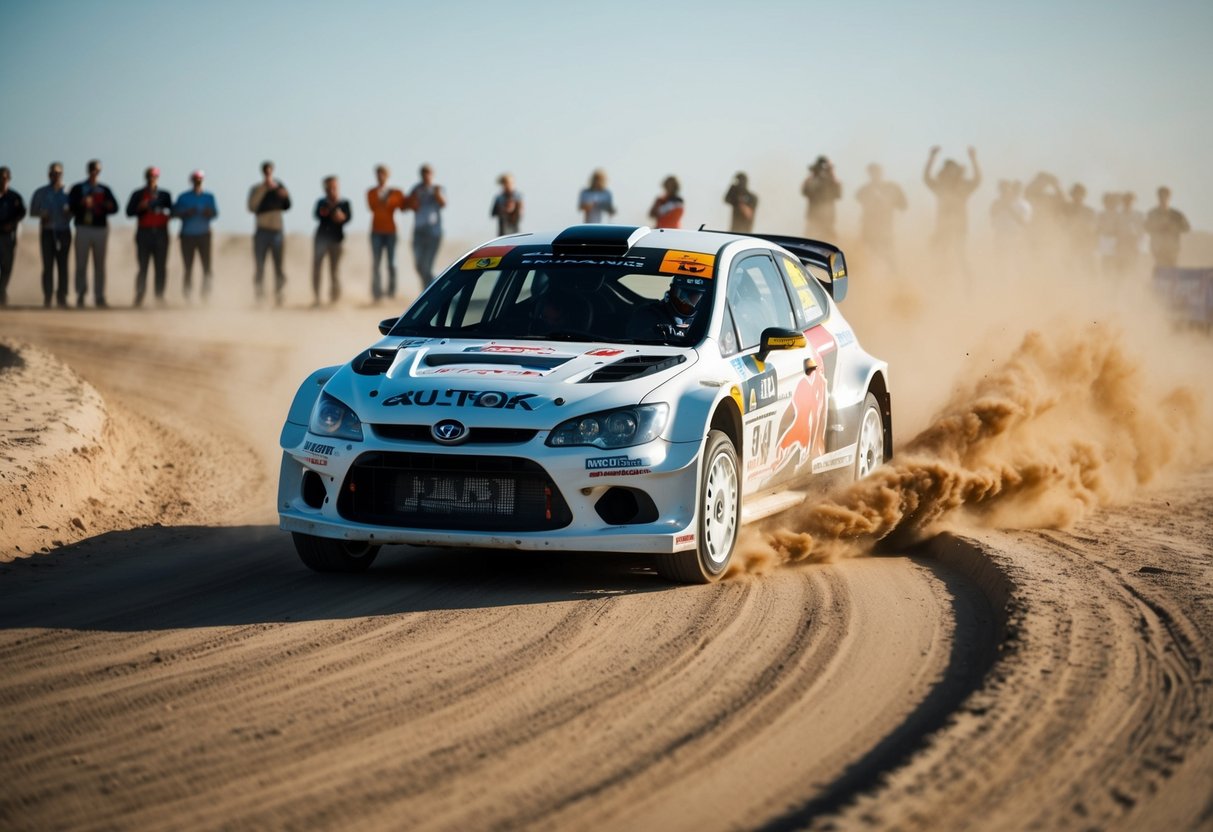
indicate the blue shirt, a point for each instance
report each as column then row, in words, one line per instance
column 189, row 207
column 52, row 208
column 427, row 215
column 600, row 202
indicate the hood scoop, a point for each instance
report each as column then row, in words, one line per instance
column 373, row 362
column 633, row 367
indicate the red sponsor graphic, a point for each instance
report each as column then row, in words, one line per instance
column 820, row 339
column 315, row 460
column 512, row 350
column 477, row 371
column 627, row 472
column 804, row 421
column 684, row 538
column 605, row 352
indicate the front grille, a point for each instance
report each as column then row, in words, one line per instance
column 463, row 493
column 476, row 436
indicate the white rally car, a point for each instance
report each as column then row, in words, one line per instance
column 605, row 388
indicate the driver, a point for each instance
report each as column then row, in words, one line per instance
column 673, row 315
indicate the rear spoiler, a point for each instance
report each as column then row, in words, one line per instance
column 825, row 256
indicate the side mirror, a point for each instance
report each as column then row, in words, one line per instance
column 385, row 326
column 778, row 338
column 838, row 277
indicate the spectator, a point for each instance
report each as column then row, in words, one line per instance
column 1108, row 231
column 384, row 202
column 1165, row 225
column 12, row 211
column 268, row 199
column 880, row 200
column 596, row 202
column 667, row 208
column 152, row 207
column 196, row 208
column 1079, row 227
column 952, row 190
column 91, row 204
column 1010, row 214
column 507, row 207
column 1045, row 196
column 1132, row 233
column 333, row 212
column 822, row 190
column 50, row 206
column 744, row 204
column 427, row 201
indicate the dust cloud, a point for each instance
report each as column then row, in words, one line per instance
column 1062, row 390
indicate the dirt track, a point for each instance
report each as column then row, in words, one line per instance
column 197, row 676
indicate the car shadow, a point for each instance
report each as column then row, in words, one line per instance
column 156, row 578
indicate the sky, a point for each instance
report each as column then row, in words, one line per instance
column 1111, row 94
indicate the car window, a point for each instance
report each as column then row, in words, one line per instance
column 728, row 334
column 808, row 297
column 757, row 299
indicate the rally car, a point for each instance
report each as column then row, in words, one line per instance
column 604, row 388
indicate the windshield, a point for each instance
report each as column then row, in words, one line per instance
column 647, row 296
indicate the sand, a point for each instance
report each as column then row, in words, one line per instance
column 1031, row 652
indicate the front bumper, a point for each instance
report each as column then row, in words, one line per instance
column 664, row 472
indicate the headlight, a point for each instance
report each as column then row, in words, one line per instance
column 332, row 418
column 619, row 428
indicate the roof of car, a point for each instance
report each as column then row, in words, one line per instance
column 706, row 242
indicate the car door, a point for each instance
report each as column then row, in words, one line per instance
column 757, row 298
column 802, row 438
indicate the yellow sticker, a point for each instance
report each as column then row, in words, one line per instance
column 480, row 263
column 795, row 272
column 690, row 263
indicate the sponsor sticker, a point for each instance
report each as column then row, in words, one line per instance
column 508, row 349
column 476, row 371
column 464, row 398
column 316, row 460
column 623, row 472
column 488, row 257
column 688, row 262
column 607, row 462
column 684, row 538
column 317, row 448
column 606, row 353
column 795, row 272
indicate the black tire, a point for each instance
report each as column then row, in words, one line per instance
column 869, row 446
column 323, row 554
column 719, row 501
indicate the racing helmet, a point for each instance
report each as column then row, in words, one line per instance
column 685, row 294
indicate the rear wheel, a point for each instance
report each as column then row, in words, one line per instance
column 869, row 454
column 327, row 555
column 719, row 503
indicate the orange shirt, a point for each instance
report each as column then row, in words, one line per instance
column 383, row 209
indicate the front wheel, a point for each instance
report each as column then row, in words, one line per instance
column 869, row 453
column 719, row 504
column 324, row 554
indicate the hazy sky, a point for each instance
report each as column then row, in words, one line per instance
column 1113, row 94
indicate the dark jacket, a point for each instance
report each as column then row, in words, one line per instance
column 12, row 211
column 155, row 212
column 328, row 228
column 97, row 214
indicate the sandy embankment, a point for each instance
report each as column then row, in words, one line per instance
column 75, row 465
column 58, row 451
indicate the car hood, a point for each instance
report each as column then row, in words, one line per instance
column 525, row 384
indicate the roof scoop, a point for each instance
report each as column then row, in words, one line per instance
column 611, row 240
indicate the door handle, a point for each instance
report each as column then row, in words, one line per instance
column 809, row 366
